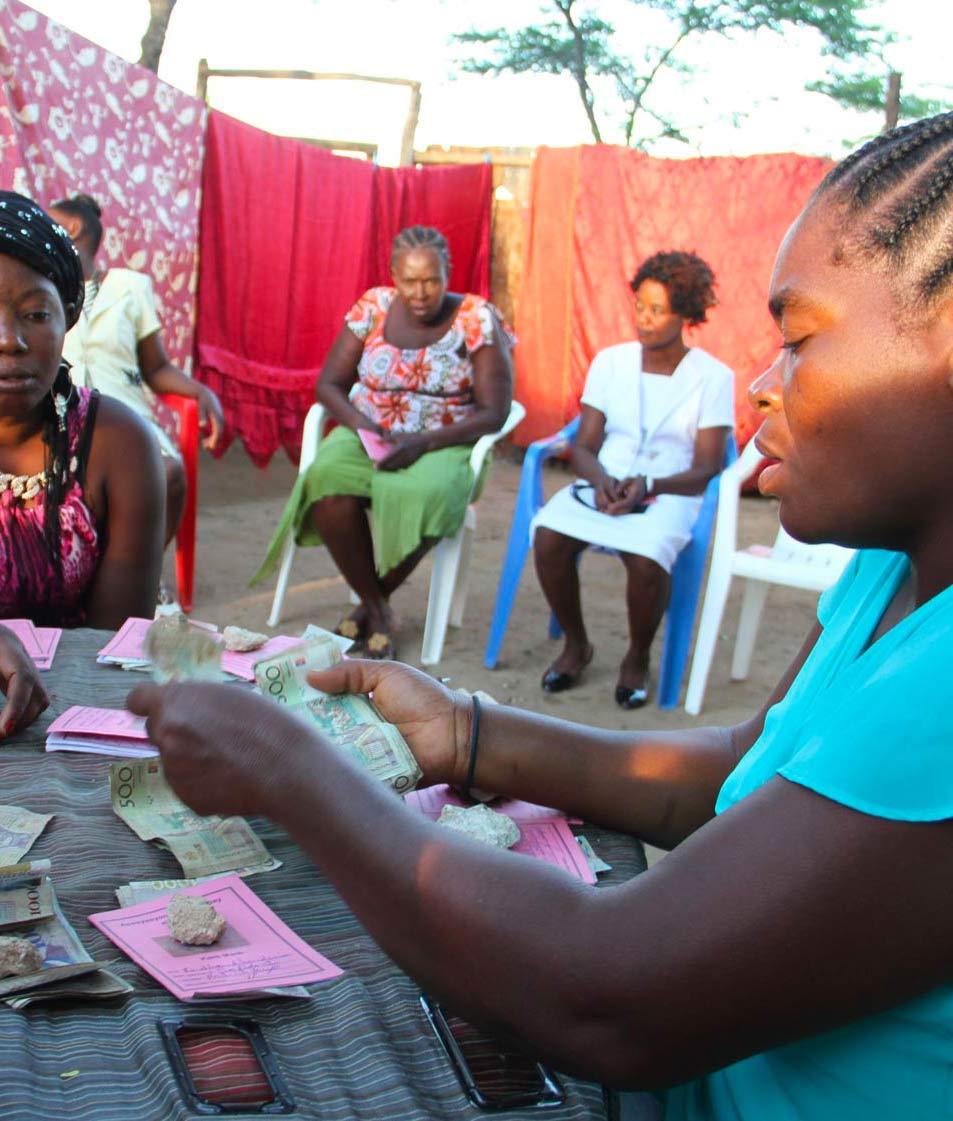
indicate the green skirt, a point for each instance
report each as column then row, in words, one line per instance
column 425, row 501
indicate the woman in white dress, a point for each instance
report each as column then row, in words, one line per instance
column 656, row 417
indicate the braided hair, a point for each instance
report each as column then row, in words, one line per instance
column 689, row 280
column 421, row 237
column 89, row 212
column 897, row 195
column 30, row 235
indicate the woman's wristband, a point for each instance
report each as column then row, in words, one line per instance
column 474, row 744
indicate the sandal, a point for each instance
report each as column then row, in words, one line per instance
column 350, row 628
column 379, row 645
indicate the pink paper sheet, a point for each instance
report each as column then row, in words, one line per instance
column 545, row 832
column 112, row 722
column 129, row 642
column 39, row 642
column 256, row 951
column 375, row 446
column 243, row 665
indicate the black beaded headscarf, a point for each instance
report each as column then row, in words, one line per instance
column 30, row 235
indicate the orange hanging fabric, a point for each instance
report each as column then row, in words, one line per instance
column 596, row 212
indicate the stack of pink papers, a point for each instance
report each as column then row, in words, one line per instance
column 40, row 642
column 257, row 951
column 102, row 731
column 545, row 832
column 127, row 648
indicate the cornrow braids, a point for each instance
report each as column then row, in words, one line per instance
column 926, row 198
column 896, row 190
column 421, row 237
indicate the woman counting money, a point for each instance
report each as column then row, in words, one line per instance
column 790, row 957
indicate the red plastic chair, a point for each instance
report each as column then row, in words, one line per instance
column 179, row 416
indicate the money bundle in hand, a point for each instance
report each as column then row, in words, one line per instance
column 349, row 720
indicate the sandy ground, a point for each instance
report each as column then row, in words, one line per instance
column 239, row 506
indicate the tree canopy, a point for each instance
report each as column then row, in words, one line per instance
column 578, row 42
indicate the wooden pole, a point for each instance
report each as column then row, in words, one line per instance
column 893, row 100
column 201, row 80
column 410, row 127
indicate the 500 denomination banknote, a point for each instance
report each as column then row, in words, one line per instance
column 203, row 846
column 349, row 720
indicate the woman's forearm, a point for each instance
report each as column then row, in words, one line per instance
column 170, row 379
column 660, row 786
column 690, row 482
column 482, row 422
column 587, row 465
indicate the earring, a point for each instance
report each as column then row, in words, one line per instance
column 60, row 405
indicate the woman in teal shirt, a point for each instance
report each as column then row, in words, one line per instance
column 790, row 959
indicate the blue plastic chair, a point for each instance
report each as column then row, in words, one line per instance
column 687, row 572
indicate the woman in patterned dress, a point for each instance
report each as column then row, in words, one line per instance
column 417, row 375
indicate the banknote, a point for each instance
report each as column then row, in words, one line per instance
column 349, row 720
column 283, row 677
column 204, row 846
column 144, row 891
column 25, row 898
column 65, row 959
column 352, row 722
column 19, row 828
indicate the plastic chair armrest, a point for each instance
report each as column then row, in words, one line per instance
column 311, row 436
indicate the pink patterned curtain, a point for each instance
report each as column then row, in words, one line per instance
column 74, row 117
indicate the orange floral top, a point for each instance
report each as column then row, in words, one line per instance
column 417, row 390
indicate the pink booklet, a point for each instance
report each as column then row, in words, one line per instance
column 102, row 731
column 39, row 642
column 256, row 951
column 127, row 647
column 375, row 446
column 545, row 832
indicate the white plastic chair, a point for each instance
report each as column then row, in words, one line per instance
column 788, row 562
column 451, row 557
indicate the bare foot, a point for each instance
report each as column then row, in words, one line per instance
column 634, row 670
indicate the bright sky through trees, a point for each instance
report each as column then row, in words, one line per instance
column 743, row 96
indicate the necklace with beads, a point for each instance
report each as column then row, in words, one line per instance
column 24, row 487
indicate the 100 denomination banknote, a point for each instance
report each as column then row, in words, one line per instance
column 24, row 898
column 348, row 719
column 204, row 846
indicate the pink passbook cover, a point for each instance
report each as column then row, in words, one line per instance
column 39, row 642
column 375, row 446
column 116, row 723
column 256, row 950
column 545, row 832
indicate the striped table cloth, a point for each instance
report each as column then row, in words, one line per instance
column 359, row 1048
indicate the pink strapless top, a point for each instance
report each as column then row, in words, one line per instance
column 29, row 585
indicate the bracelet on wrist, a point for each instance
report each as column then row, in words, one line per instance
column 474, row 744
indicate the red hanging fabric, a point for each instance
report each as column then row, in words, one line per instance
column 290, row 237
column 282, row 252
column 457, row 200
column 596, row 212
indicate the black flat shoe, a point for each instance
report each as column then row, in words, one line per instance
column 630, row 698
column 557, row 681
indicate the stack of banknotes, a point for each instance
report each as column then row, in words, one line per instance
column 29, row 910
column 348, row 720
